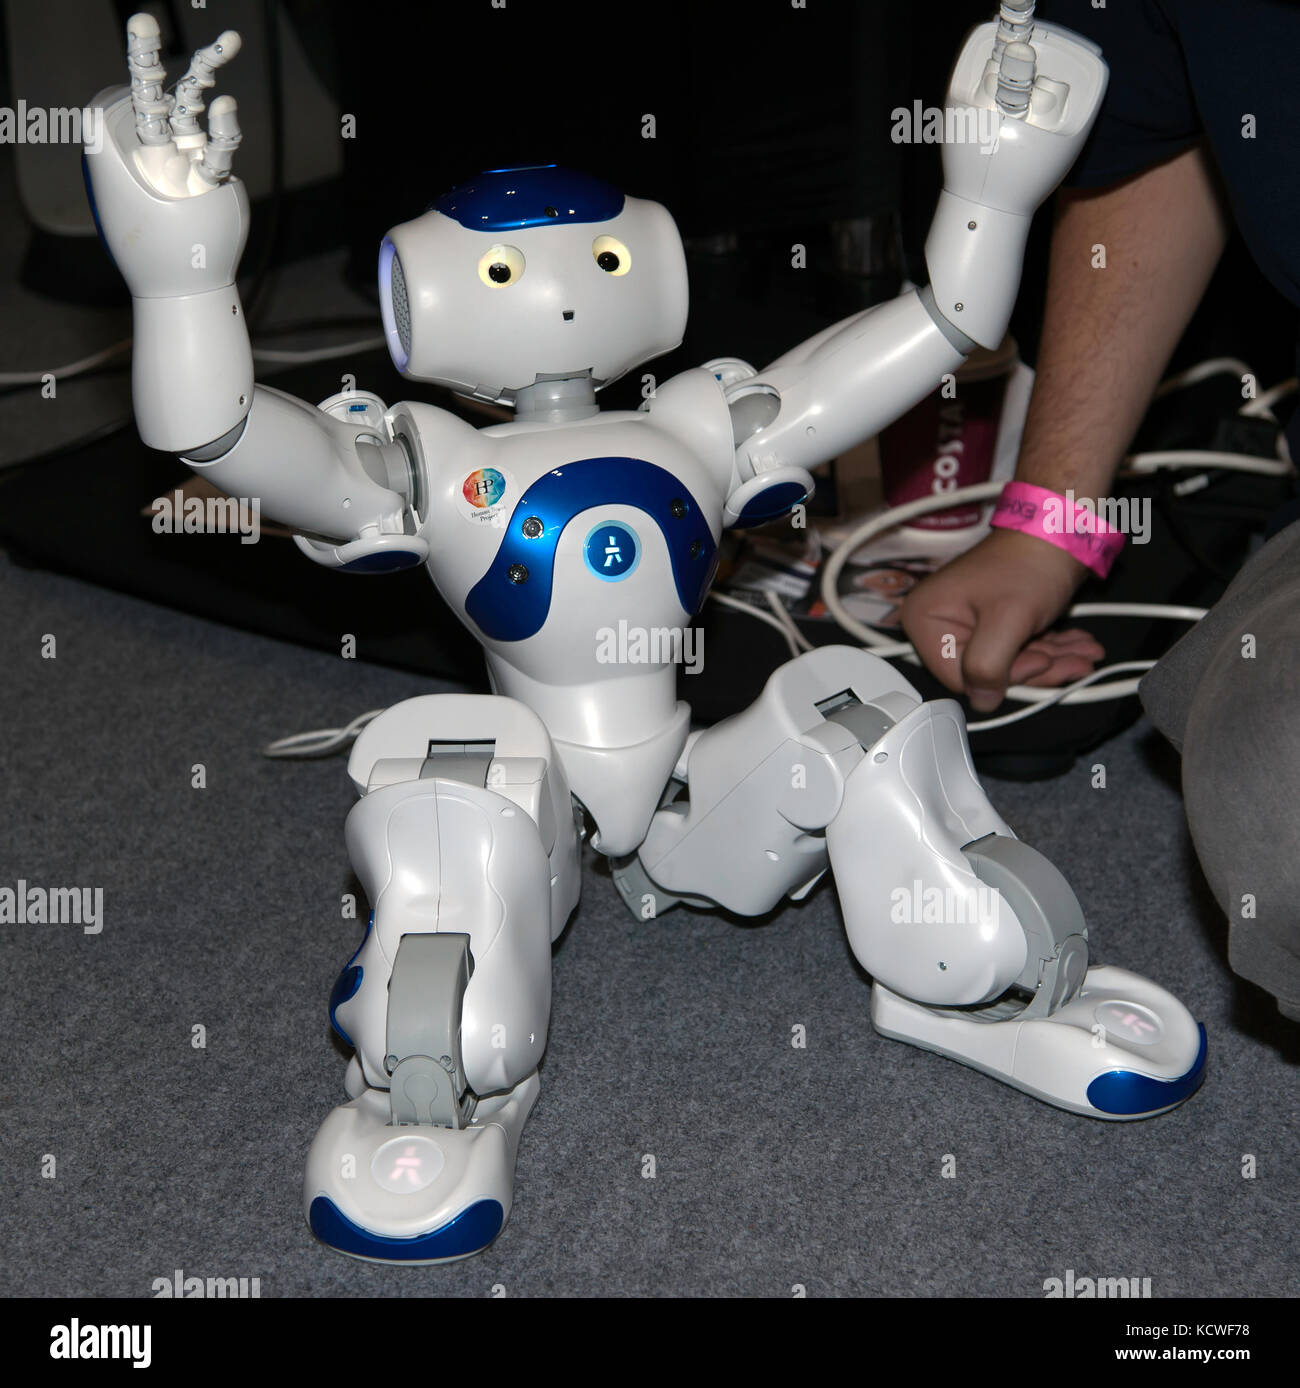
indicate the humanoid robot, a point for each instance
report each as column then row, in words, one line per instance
column 533, row 288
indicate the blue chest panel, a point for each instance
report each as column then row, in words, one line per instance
column 511, row 601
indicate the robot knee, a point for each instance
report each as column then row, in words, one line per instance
column 439, row 856
column 487, row 742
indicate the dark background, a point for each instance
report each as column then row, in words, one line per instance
column 772, row 127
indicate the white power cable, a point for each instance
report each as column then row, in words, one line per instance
column 1175, row 612
column 75, row 368
column 1203, row 370
column 290, row 357
column 876, row 525
column 320, row 742
column 323, row 741
column 759, row 615
column 281, row 355
column 1036, row 698
column 1136, row 464
column 787, row 621
column 1262, row 406
column 1119, row 689
column 1139, row 464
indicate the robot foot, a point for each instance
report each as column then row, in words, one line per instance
column 1121, row 1048
column 414, row 1193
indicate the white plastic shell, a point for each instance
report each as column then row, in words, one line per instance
column 764, row 783
column 991, row 188
column 461, row 331
column 909, row 809
column 497, row 863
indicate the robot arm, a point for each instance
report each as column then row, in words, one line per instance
column 1016, row 117
column 337, row 472
column 175, row 222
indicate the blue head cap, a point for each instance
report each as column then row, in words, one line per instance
column 537, row 195
column 601, row 291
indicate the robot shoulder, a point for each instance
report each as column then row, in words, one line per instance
column 437, row 442
column 692, row 408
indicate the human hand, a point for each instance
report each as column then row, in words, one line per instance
column 979, row 623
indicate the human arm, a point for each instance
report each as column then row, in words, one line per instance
column 1108, row 332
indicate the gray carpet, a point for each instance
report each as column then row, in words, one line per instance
column 774, row 1166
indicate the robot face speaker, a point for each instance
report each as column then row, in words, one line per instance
column 527, row 274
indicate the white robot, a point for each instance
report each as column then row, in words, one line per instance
column 534, row 288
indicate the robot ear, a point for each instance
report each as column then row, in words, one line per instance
column 658, row 307
column 394, row 306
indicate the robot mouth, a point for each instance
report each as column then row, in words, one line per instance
column 567, row 315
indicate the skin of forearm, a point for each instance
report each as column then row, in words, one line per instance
column 1108, row 333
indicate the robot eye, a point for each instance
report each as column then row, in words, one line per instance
column 500, row 266
column 611, row 255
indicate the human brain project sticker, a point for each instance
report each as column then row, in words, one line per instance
column 485, row 495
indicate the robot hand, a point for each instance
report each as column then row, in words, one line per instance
column 173, row 218
column 1021, row 102
column 175, row 223
column 1020, row 105
column 1017, row 113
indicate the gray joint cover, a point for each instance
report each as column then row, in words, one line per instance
column 1049, row 911
column 210, row 452
column 965, row 345
column 866, row 722
column 388, row 465
column 425, row 996
column 635, row 886
column 459, row 761
column 752, row 412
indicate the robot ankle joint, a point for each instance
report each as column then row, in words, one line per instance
column 425, row 997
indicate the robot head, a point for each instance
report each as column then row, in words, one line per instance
column 528, row 274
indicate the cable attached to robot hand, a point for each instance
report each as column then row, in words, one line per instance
column 1015, row 118
column 175, row 220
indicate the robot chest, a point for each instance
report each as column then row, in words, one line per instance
column 605, row 531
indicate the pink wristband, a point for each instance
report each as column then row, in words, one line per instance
column 1061, row 521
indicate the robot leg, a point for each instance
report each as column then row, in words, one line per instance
column 975, row 942
column 977, row 945
column 465, row 843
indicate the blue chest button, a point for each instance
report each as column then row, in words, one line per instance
column 511, row 601
column 612, row 551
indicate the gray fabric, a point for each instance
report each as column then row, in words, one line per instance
column 1236, row 718
column 774, row 1165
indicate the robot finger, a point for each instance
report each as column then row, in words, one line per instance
column 224, row 136
column 151, row 104
column 189, row 90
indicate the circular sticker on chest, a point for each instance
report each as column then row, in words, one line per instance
column 487, row 495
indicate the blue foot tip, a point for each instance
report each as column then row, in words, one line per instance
column 472, row 1230
column 1130, row 1093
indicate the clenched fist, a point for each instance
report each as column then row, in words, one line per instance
column 994, row 601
